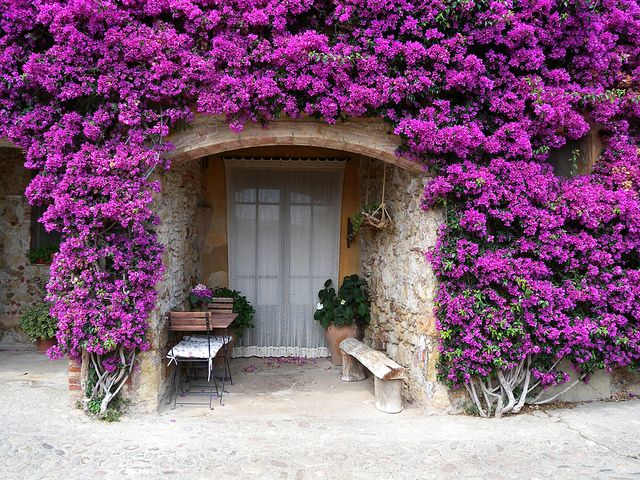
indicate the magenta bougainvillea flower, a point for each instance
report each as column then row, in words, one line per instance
column 481, row 91
column 202, row 292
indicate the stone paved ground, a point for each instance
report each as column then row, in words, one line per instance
column 308, row 427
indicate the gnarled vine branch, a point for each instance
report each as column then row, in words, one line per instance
column 110, row 381
column 500, row 399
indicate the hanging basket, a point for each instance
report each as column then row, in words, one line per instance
column 375, row 216
column 378, row 219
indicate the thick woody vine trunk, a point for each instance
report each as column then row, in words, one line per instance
column 507, row 391
column 109, row 384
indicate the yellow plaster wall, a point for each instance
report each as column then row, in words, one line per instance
column 213, row 224
column 213, row 211
column 349, row 256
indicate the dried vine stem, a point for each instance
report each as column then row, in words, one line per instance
column 508, row 390
column 109, row 384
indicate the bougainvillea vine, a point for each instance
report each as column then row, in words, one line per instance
column 534, row 268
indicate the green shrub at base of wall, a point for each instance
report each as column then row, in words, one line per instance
column 37, row 323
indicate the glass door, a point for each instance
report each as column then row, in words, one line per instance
column 284, row 227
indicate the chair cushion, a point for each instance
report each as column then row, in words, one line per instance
column 197, row 347
column 203, row 338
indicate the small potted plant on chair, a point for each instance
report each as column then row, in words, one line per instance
column 343, row 315
column 39, row 326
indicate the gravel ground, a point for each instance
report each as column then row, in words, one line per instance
column 299, row 422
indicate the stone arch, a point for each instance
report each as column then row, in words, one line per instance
column 210, row 135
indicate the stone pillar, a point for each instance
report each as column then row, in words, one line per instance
column 177, row 207
column 402, row 284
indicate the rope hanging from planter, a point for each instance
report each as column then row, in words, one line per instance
column 378, row 218
column 375, row 215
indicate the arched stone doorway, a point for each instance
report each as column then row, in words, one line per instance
column 372, row 138
column 193, row 211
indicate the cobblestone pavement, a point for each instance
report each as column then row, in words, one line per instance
column 300, row 435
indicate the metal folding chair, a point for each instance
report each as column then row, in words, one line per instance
column 194, row 350
column 221, row 309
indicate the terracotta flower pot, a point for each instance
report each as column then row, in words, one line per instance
column 335, row 335
column 44, row 345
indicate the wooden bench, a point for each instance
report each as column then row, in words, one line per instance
column 388, row 375
column 220, row 305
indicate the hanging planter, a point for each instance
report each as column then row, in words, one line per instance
column 373, row 215
column 377, row 218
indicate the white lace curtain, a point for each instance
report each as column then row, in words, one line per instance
column 284, row 227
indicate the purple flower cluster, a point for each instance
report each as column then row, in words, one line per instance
column 202, row 292
column 533, row 265
column 480, row 91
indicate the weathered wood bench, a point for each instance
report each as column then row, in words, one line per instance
column 356, row 356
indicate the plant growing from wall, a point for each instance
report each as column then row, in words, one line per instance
column 241, row 306
column 479, row 91
column 526, row 284
column 93, row 401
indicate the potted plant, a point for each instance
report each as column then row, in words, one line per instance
column 344, row 314
column 39, row 326
column 374, row 215
column 199, row 297
column 41, row 255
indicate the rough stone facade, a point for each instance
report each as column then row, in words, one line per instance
column 21, row 283
column 401, row 281
column 402, row 284
column 178, row 208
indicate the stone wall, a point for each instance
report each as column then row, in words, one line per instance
column 178, row 208
column 402, row 284
column 21, row 283
column 403, row 288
